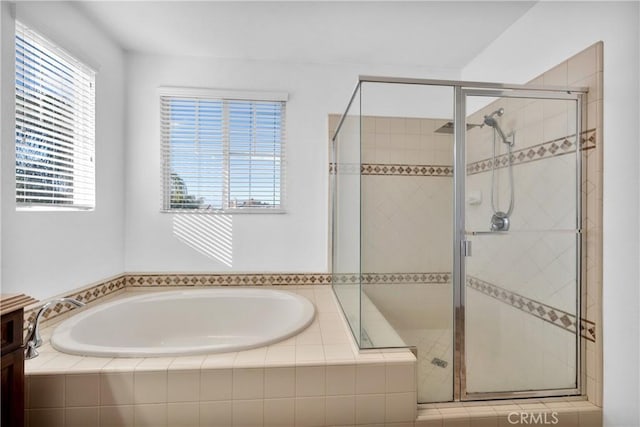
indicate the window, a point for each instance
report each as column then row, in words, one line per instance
column 55, row 126
column 221, row 151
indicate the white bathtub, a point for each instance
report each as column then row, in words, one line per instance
column 180, row 323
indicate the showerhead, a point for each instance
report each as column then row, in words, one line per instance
column 490, row 120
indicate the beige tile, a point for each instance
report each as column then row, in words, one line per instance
column 279, row 382
column 216, row 414
column 456, row 421
column 527, row 406
column 82, row 417
column 335, row 336
column 400, row 377
column 582, row 65
column 46, row 417
column 491, row 421
column 61, row 364
column 590, row 418
column 122, row 364
column 557, row 76
column 309, row 354
column 154, row 364
column 116, row 416
column 248, row 383
column 284, row 355
column 187, row 362
column 183, row 414
column 368, row 124
column 310, row 411
column 340, row 380
column 565, row 418
column 382, row 125
column 370, row 408
column 400, row 407
column 412, row 126
column 248, row 413
column 216, row 384
column 183, row 386
column 504, row 410
column 340, row 410
column 251, row 358
column 338, row 352
column 436, row 422
column 594, row 83
column 151, row 415
column 452, row 408
column 279, row 412
column 398, row 356
column 149, row 387
column 370, row 379
column 91, row 364
column 34, row 365
column 397, row 125
column 46, row 391
column 82, row 390
column 309, row 337
column 310, row 381
column 218, row 361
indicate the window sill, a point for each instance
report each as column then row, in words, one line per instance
column 53, row 209
column 223, row 211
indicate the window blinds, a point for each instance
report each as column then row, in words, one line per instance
column 222, row 154
column 55, row 125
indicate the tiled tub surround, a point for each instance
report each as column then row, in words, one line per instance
column 315, row 378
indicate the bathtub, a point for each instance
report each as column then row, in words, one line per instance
column 181, row 323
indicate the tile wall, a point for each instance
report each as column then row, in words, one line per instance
column 539, row 262
column 398, row 152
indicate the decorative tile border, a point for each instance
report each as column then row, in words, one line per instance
column 87, row 295
column 392, row 169
column 393, row 278
column 100, row 290
column 266, row 279
column 406, row 170
column 553, row 148
column 549, row 314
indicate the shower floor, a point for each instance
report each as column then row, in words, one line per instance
column 435, row 381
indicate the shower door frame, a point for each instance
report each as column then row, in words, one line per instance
column 461, row 243
column 462, row 89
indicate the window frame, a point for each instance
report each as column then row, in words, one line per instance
column 219, row 95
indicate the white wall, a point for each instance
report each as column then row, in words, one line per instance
column 292, row 242
column 47, row 253
column 548, row 34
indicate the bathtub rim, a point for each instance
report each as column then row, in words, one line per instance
column 62, row 328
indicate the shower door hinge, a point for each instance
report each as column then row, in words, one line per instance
column 466, row 248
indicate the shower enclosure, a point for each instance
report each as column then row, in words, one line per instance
column 456, row 231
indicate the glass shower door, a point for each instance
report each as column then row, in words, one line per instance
column 521, row 240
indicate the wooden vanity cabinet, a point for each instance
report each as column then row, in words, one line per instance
column 12, row 312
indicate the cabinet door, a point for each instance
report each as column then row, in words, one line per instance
column 13, row 389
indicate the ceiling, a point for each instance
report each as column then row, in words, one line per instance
column 431, row 34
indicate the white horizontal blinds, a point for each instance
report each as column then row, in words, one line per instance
column 221, row 154
column 194, row 165
column 55, row 125
column 256, row 132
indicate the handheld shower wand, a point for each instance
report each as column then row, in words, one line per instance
column 491, row 121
